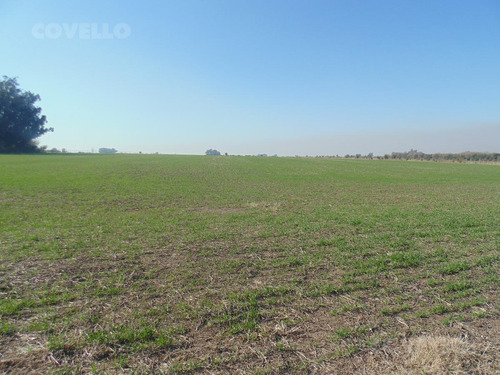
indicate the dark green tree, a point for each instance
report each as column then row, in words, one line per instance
column 212, row 152
column 21, row 121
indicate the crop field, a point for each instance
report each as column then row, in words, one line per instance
column 245, row 265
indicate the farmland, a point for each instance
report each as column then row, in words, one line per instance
column 198, row 264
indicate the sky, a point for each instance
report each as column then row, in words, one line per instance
column 287, row 77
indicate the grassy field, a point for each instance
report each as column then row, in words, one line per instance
column 197, row 264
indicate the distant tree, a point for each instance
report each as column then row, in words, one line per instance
column 21, row 121
column 105, row 150
column 212, row 152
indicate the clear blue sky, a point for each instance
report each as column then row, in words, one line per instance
column 286, row 77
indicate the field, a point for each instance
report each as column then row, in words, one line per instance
column 198, row 264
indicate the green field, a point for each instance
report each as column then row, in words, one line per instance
column 197, row 264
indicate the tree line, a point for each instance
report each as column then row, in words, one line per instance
column 460, row 157
column 467, row 156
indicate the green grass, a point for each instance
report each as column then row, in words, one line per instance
column 185, row 263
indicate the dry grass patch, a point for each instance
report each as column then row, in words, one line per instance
column 443, row 354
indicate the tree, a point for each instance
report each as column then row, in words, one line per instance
column 212, row 152
column 21, row 121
